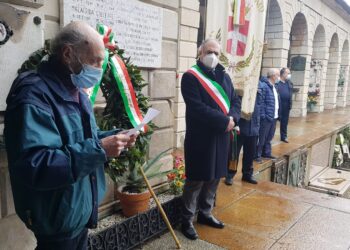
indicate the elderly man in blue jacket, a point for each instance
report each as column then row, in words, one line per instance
column 269, row 113
column 247, row 139
column 56, row 152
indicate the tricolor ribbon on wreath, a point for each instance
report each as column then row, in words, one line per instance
column 120, row 76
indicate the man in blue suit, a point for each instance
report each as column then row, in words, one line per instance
column 247, row 139
column 270, row 108
column 285, row 90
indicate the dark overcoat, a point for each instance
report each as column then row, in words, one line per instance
column 251, row 127
column 206, row 142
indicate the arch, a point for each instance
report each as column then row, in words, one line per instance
column 317, row 79
column 343, row 81
column 298, row 61
column 274, row 35
column 332, row 76
column 298, row 36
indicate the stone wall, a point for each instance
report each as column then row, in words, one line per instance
column 312, row 29
column 188, row 33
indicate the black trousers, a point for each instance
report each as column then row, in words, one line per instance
column 266, row 134
column 284, row 120
column 248, row 143
column 77, row 243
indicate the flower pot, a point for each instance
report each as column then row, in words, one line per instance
column 133, row 203
column 311, row 107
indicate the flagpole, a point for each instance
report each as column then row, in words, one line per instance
column 161, row 209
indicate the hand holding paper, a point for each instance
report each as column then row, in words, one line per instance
column 150, row 115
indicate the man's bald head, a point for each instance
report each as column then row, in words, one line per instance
column 80, row 40
column 273, row 75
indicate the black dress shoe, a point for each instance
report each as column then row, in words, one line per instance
column 285, row 140
column 229, row 181
column 189, row 231
column 209, row 221
column 258, row 160
column 250, row 180
column 269, row 156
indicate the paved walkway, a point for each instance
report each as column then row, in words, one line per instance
column 274, row 216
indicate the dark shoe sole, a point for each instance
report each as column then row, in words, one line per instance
column 203, row 221
column 211, row 225
column 229, row 182
column 250, row 181
column 189, row 236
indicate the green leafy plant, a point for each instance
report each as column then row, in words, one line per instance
column 114, row 115
column 132, row 180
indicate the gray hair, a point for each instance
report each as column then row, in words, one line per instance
column 205, row 42
column 70, row 35
column 271, row 72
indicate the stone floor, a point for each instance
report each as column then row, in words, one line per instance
column 274, row 216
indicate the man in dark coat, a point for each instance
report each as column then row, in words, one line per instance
column 248, row 138
column 285, row 90
column 269, row 113
column 208, row 123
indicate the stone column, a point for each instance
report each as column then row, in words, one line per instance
column 330, row 99
column 188, row 32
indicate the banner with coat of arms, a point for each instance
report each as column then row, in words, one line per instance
column 241, row 33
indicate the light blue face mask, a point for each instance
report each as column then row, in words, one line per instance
column 88, row 76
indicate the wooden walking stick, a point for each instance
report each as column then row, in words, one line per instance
column 161, row 209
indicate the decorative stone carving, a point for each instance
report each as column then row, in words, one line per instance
column 137, row 229
column 279, row 172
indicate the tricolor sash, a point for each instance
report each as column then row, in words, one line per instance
column 213, row 88
column 120, row 76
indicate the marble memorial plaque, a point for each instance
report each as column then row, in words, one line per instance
column 137, row 26
column 298, row 63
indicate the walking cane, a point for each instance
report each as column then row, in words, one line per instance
column 161, row 209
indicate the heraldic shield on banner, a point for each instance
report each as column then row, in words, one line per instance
column 241, row 33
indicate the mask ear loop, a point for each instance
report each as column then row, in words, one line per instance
column 81, row 64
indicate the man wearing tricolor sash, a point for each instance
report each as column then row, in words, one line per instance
column 212, row 110
column 56, row 153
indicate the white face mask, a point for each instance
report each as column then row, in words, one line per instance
column 289, row 76
column 210, row 61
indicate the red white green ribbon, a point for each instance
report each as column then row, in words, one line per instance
column 238, row 12
column 121, row 77
column 213, row 88
column 126, row 89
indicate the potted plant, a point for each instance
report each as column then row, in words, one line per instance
column 312, row 98
column 131, row 187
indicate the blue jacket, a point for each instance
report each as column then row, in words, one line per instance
column 290, row 87
column 56, row 162
column 267, row 109
column 251, row 127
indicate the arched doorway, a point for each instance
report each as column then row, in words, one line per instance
column 317, row 66
column 343, row 76
column 330, row 99
column 299, row 63
column 275, row 55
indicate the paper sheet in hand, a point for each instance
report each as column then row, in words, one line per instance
column 151, row 113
